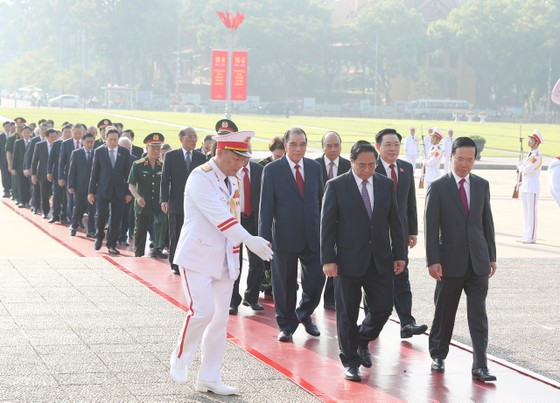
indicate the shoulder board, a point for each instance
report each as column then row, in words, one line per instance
column 140, row 161
column 206, row 167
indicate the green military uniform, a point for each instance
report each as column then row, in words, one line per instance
column 147, row 181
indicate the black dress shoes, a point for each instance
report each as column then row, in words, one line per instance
column 72, row 231
column 255, row 306
column 45, row 216
column 412, row 329
column 438, row 365
column 81, row 225
column 233, row 309
column 158, row 253
column 483, row 375
column 285, row 336
column 90, row 235
column 329, row 306
column 65, row 221
column 113, row 250
column 352, row 374
column 124, row 243
column 311, row 328
column 365, row 356
column 98, row 243
column 54, row 219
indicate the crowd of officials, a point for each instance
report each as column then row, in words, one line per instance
column 345, row 222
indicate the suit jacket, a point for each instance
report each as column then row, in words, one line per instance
column 79, row 172
column 406, row 196
column 349, row 237
column 453, row 238
column 343, row 167
column 66, row 149
column 52, row 164
column 19, row 155
column 137, row 151
column 285, row 218
column 40, row 160
column 256, row 181
column 106, row 180
column 174, row 177
column 28, row 158
column 3, row 140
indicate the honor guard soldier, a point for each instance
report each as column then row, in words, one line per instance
column 208, row 259
column 432, row 162
column 224, row 126
column 144, row 182
column 102, row 126
column 531, row 187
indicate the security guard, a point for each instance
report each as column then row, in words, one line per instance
column 208, row 258
column 531, row 187
column 144, row 182
column 432, row 163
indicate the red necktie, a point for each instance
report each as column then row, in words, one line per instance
column 464, row 196
column 331, row 170
column 394, row 176
column 299, row 180
column 247, row 193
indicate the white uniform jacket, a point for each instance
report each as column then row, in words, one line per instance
column 432, row 163
column 211, row 232
column 411, row 146
column 554, row 179
column 447, row 147
column 531, row 170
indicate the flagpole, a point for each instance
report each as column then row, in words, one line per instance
column 228, row 70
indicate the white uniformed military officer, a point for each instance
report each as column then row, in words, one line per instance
column 531, row 187
column 432, row 162
column 207, row 255
column 447, row 146
column 412, row 148
column 554, row 179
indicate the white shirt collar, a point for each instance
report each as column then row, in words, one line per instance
column 458, row 178
column 328, row 161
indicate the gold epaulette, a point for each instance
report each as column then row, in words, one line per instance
column 206, row 167
column 140, row 161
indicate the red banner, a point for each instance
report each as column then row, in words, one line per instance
column 219, row 75
column 239, row 76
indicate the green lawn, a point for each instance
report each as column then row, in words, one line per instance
column 502, row 137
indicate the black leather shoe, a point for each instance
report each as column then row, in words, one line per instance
column 98, row 243
column 311, row 328
column 113, row 250
column 255, row 306
column 65, row 221
column 438, row 365
column 233, row 309
column 175, row 271
column 285, row 336
column 412, row 329
column 365, row 356
column 352, row 374
column 483, row 375
column 54, row 219
column 72, row 231
column 90, row 235
column 124, row 243
column 45, row 216
column 81, row 225
column 329, row 306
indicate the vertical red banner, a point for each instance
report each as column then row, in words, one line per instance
column 239, row 75
column 218, row 90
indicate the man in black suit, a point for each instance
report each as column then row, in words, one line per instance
column 292, row 188
column 6, row 177
column 388, row 143
column 39, row 170
column 18, row 161
column 57, row 191
column 250, row 178
column 136, row 151
column 362, row 247
column 102, row 125
column 28, row 159
column 333, row 165
column 177, row 165
column 460, row 254
column 66, row 148
column 108, row 187
column 79, row 175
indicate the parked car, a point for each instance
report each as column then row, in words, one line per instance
column 65, row 101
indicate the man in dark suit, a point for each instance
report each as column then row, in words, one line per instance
column 79, row 175
column 102, row 125
column 388, row 143
column 136, row 151
column 250, row 177
column 292, row 188
column 57, row 190
column 108, row 187
column 39, row 170
column 177, row 166
column 6, row 177
column 28, row 159
column 333, row 165
column 362, row 247
column 460, row 254
column 66, row 148
column 18, row 161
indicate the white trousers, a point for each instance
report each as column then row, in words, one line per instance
column 529, row 215
column 447, row 163
column 412, row 159
column 206, row 323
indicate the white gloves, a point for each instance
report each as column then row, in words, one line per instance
column 259, row 246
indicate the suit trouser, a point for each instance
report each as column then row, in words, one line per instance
column 127, row 222
column 57, row 200
column 24, row 184
column 141, row 231
column 175, row 225
column 447, row 295
column 412, row 159
column 6, row 178
column 284, row 286
column 256, row 269
column 15, row 187
column 207, row 301
column 403, row 294
column 530, row 215
column 117, row 206
column 81, row 205
column 45, row 190
column 69, row 202
column 36, row 196
column 328, row 294
column 378, row 290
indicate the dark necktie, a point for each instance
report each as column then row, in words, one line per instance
column 76, row 144
column 463, row 194
column 365, row 198
column 331, row 170
column 88, row 155
column 188, row 161
column 248, row 203
column 299, row 180
column 112, row 157
column 226, row 181
column 394, row 176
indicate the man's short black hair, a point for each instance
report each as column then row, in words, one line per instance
column 362, row 146
column 381, row 133
column 464, row 142
column 87, row 135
